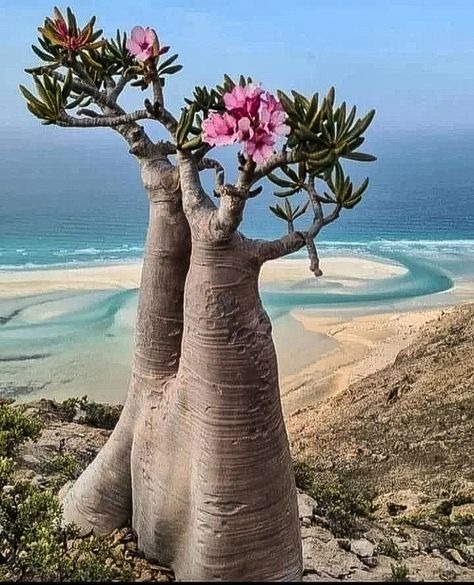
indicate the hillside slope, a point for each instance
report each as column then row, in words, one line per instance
column 408, row 426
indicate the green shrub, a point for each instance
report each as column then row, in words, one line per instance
column 68, row 408
column 62, row 468
column 104, row 416
column 399, row 574
column 304, row 474
column 34, row 546
column 340, row 505
column 16, row 427
column 388, row 548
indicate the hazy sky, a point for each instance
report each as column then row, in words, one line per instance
column 410, row 59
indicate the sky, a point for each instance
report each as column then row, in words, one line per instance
column 410, row 59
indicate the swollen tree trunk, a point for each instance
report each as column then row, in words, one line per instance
column 199, row 460
column 101, row 499
column 223, row 478
column 212, row 480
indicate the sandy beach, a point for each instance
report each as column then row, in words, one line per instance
column 321, row 350
column 347, row 271
column 363, row 345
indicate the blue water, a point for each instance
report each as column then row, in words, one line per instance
column 74, row 198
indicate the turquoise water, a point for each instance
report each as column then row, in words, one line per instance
column 84, row 205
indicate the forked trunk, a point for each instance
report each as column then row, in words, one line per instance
column 214, row 492
column 101, row 499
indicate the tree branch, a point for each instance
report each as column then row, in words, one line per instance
column 101, row 121
column 210, row 163
column 160, row 113
column 275, row 161
column 272, row 249
column 119, row 87
column 195, row 199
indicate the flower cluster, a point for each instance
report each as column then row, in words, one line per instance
column 144, row 44
column 69, row 36
column 253, row 117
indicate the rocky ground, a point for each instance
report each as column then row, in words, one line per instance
column 401, row 440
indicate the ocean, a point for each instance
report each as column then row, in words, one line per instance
column 70, row 199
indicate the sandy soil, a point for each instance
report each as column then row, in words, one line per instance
column 363, row 345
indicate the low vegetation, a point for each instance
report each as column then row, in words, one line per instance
column 34, row 546
column 85, row 411
column 399, row 574
column 340, row 505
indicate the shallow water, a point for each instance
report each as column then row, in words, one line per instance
column 76, row 343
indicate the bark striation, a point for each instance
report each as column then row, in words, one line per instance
column 219, row 444
column 101, row 499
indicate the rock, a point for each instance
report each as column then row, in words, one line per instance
column 455, row 556
column 64, row 490
column 39, row 480
column 29, row 459
column 306, row 505
column 327, row 559
column 306, row 522
column 362, row 548
column 370, row 562
column 467, row 510
column 317, row 532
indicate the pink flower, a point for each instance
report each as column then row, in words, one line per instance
column 273, row 116
column 219, row 129
column 143, row 44
column 260, row 146
column 253, row 117
column 244, row 130
column 243, row 101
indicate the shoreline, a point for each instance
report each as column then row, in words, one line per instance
column 321, row 350
column 363, row 345
column 346, row 270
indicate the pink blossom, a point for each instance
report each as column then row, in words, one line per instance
column 273, row 116
column 253, row 118
column 219, row 129
column 244, row 130
column 243, row 101
column 143, row 43
column 260, row 146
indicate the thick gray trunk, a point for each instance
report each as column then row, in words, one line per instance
column 211, row 465
column 101, row 499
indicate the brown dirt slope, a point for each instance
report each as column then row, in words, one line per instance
column 408, row 426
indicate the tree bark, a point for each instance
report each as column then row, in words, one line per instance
column 214, row 492
column 200, row 460
column 101, row 499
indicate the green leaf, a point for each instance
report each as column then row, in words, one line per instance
column 168, row 62
column 361, row 189
column 30, row 97
column 286, row 102
column 287, row 193
column 302, row 211
column 288, row 209
column 352, row 202
column 171, row 70
column 278, row 211
column 289, row 172
column 71, row 20
column 280, row 182
column 43, row 56
column 67, row 86
column 360, row 156
column 194, row 143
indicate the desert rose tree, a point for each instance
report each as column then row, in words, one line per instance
column 199, row 463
